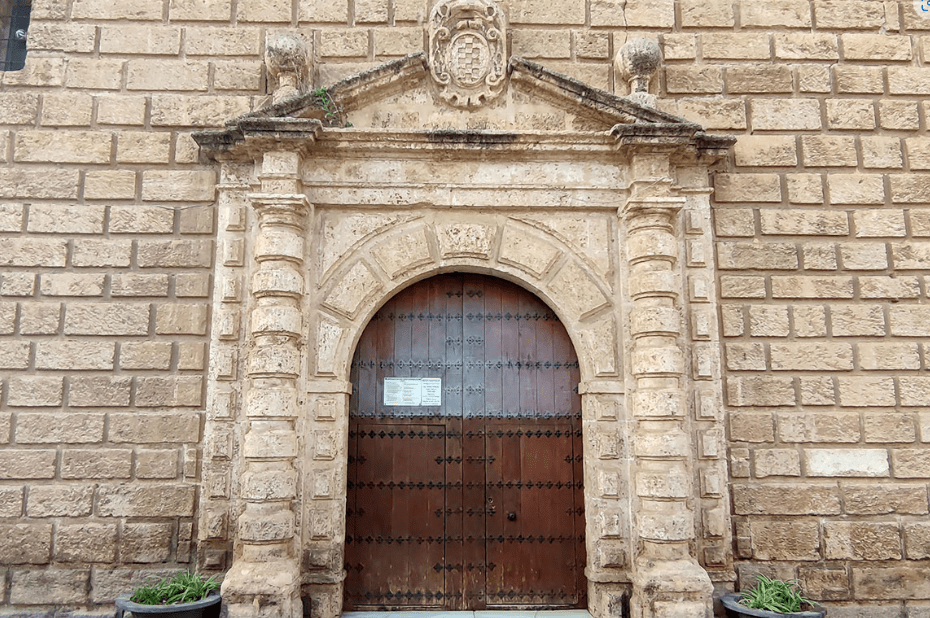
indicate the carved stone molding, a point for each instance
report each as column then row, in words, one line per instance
column 468, row 51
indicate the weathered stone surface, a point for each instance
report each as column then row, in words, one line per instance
column 157, row 464
column 27, row 464
column 812, row 287
column 760, row 391
column 177, row 319
column 96, row 463
column 75, row 355
column 149, row 427
column 26, row 543
column 68, row 147
column 85, row 542
column 354, row 288
column 776, row 462
column 64, row 427
column 891, row 582
column 145, row 542
column 785, row 114
column 107, row 583
column 861, row 541
column 169, row 391
column 819, row 427
column 145, row 500
column 752, row 427
column 785, row 499
column 35, row 252
column 526, row 252
column 829, row 150
column 824, row 584
column 804, row 222
column 910, row 463
column 100, row 391
column 54, row 586
column 107, row 319
column 847, row 462
column 11, row 501
column 178, row 186
column 756, row 256
column 880, row 500
column 170, row 110
column 60, row 501
column 812, row 356
column 798, row 539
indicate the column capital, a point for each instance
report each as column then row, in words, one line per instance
column 649, row 206
column 273, row 209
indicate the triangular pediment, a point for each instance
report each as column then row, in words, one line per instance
column 398, row 101
column 400, row 95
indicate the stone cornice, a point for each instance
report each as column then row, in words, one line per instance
column 245, row 138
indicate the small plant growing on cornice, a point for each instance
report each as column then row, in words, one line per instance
column 332, row 111
column 774, row 595
column 182, row 588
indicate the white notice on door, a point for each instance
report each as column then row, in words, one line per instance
column 412, row 391
column 432, row 391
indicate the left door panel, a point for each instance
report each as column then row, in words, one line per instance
column 397, row 488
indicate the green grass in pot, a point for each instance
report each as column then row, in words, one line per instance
column 774, row 595
column 182, row 588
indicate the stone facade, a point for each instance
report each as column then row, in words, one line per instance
column 177, row 316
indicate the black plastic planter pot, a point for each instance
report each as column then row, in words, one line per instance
column 204, row 608
column 735, row 610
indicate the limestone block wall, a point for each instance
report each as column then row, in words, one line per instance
column 108, row 258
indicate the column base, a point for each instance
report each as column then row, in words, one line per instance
column 325, row 599
column 671, row 589
column 608, row 599
column 263, row 590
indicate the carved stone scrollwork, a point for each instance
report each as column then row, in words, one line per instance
column 467, row 51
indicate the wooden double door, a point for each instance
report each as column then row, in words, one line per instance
column 465, row 464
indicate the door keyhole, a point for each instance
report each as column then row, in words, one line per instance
column 511, row 516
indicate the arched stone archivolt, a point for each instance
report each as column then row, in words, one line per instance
column 373, row 270
column 377, row 268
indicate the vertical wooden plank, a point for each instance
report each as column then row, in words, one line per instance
column 497, row 561
column 545, row 369
column 564, row 382
column 447, row 303
column 383, row 336
column 493, row 356
column 474, row 420
column 510, row 353
column 527, row 339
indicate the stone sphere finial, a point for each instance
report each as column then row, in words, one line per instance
column 288, row 60
column 637, row 61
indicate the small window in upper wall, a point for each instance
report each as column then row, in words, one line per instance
column 14, row 25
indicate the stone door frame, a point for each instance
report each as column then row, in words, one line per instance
column 646, row 338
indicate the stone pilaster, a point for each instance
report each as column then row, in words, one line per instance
column 224, row 392
column 265, row 577
column 326, row 426
column 667, row 579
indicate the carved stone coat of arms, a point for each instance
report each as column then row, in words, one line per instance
column 467, row 51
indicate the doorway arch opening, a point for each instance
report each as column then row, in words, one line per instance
column 465, row 472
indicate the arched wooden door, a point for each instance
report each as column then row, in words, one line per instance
column 465, row 464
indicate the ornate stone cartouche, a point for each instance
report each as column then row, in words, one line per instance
column 468, row 51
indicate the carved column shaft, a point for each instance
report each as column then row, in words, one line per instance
column 268, row 487
column 667, row 579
